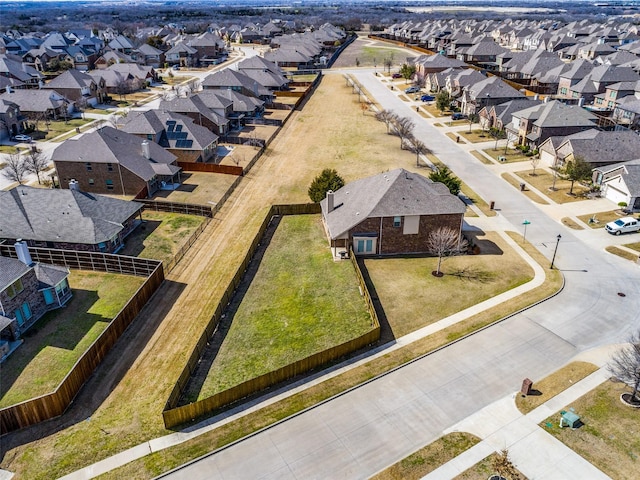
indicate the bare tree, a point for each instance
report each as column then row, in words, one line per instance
column 404, row 128
column 420, row 148
column 388, row 62
column 14, row 168
column 365, row 106
column 387, row 117
column 35, row 162
column 445, row 242
column 625, row 366
column 535, row 161
column 194, row 85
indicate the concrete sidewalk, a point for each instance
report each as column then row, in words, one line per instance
column 533, row 451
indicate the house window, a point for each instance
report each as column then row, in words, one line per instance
column 563, row 91
column 88, row 166
column 109, row 184
column 612, row 94
column 91, row 181
column 149, row 136
column 397, row 221
column 15, row 288
column 110, row 167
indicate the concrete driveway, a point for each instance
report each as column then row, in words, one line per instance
column 364, row 430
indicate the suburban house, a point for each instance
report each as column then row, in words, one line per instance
column 40, row 104
column 534, row 125
column 389, row 213
column 596, row 147
column 178, row 134
column 14, row 69
column 498, row 116
column 426, row 64
column 28, row 290
column 620, row 183
column 182, row 54
column 489, row 91
column 264, row 72
column 194, row 108
column 229, row 79
column 149, row 55
column 67, row 219
column 115, row 162
column 11, row 120
column 240, row 108
column 78, row 87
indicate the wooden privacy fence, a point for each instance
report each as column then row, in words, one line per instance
column 175, row 415
column 55, row 403
column 365, row 290
column 210, row 168
column 170, row 265
column 176, row 207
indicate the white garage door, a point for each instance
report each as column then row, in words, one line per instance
column 615, row 195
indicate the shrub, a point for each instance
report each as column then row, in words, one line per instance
column 327, row 180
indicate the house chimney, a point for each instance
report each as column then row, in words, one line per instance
column 581, row 101
column 145, row 150
column 330, row 206
column 23, row 252
column 74, row 185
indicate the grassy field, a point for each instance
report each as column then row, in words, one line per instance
column 300, row 302
column 161, row 235
column 552, row 385
column 610, row 436
column 468, row 280
column 543, row 180
column 59, row 338
column 427, row 459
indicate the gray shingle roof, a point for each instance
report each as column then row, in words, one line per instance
column 109, row 145
column 50, row 275
column 62, row 215
column 395, row 193
column 10, row 271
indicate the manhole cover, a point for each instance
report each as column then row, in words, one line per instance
column 620, row 294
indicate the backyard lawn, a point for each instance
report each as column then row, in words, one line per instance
column 199, row 188
column 610, row 436
column 58, row 339
column 416, row 298
column 161, row 235
column 300, row 302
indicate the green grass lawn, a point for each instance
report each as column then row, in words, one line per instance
column 468, row 280
column 58, row 339
column 610, row 436
column 161, row 235
column 300, row 302
column 372, row 56
column 427, row 459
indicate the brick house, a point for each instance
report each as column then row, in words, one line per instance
column 28, row 290
column 115, row 162
column 66, row 219
column 390, row 213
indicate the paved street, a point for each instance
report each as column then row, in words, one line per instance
column 368, row 428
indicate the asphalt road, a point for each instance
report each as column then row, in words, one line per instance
column 366, row 429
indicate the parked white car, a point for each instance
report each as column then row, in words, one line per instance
column 623, row 225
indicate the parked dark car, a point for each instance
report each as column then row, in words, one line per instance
column 458, row 116
column 427, row 98
column 413, row 89
column 396, row 75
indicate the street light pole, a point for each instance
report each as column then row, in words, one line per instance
column 556, row 250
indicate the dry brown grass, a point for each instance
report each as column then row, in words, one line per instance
column 199, row 188
column 600, row 219
column 476, row 136
column 633, row 246
column 468, row 280
column 510, row 155
column 571, row 224
column 610, row 436
column 482, row 470
column 622, row 253
column 554, row 384
column 543, row 181
column 427, row 459
column 515, row 181
column 481, row 157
